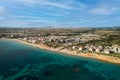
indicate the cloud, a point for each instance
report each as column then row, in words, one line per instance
column 118, row 19
column 1, row 9
column 13, row 23
column 58, row 5
column 58, row 12
column 103, row 10
column 71, row 4
column 27, row 17
column 27, row 1
column 52, row 13
column 16, row 22
column 46, row 3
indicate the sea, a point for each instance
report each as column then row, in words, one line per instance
column 19, row 61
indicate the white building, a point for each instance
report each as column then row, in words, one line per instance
column 74, row 47
column 81, row 48
column 98, row 50
column 106, row 51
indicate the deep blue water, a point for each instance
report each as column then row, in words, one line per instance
column 22, row 62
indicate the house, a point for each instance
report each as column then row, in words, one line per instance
column 119, row 50
column 74, row 47
column 91, row 49
column 33, row 41
column 81, row 48
column 25, row 39
column 98, row 50
column 115, row 50
column 106, row 51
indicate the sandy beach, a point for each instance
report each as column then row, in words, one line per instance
column 65, row 51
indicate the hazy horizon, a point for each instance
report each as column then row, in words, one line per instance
column 59, row 13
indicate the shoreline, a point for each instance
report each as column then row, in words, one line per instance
column 105, row 58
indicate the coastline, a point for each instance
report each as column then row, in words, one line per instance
column 101, row 57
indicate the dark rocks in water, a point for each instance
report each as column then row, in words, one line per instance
column 30, row 67
column 47, row 73
column 76, row 70
column 21, row 67
column 20, row 78
column 9, row 73
column 32, row 71
column 75, row 65
column 26, row 77
column 6, row 75
column 32, row 78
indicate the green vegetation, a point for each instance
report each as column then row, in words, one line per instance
column 109, row 41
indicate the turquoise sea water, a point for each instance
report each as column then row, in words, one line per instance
column 22, row 62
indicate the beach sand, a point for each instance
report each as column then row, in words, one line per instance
column 105, row 58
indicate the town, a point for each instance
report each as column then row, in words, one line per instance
column 81, row 40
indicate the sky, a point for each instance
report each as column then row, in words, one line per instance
column 59, row 13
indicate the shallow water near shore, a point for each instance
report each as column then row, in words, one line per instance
column 22, row 62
